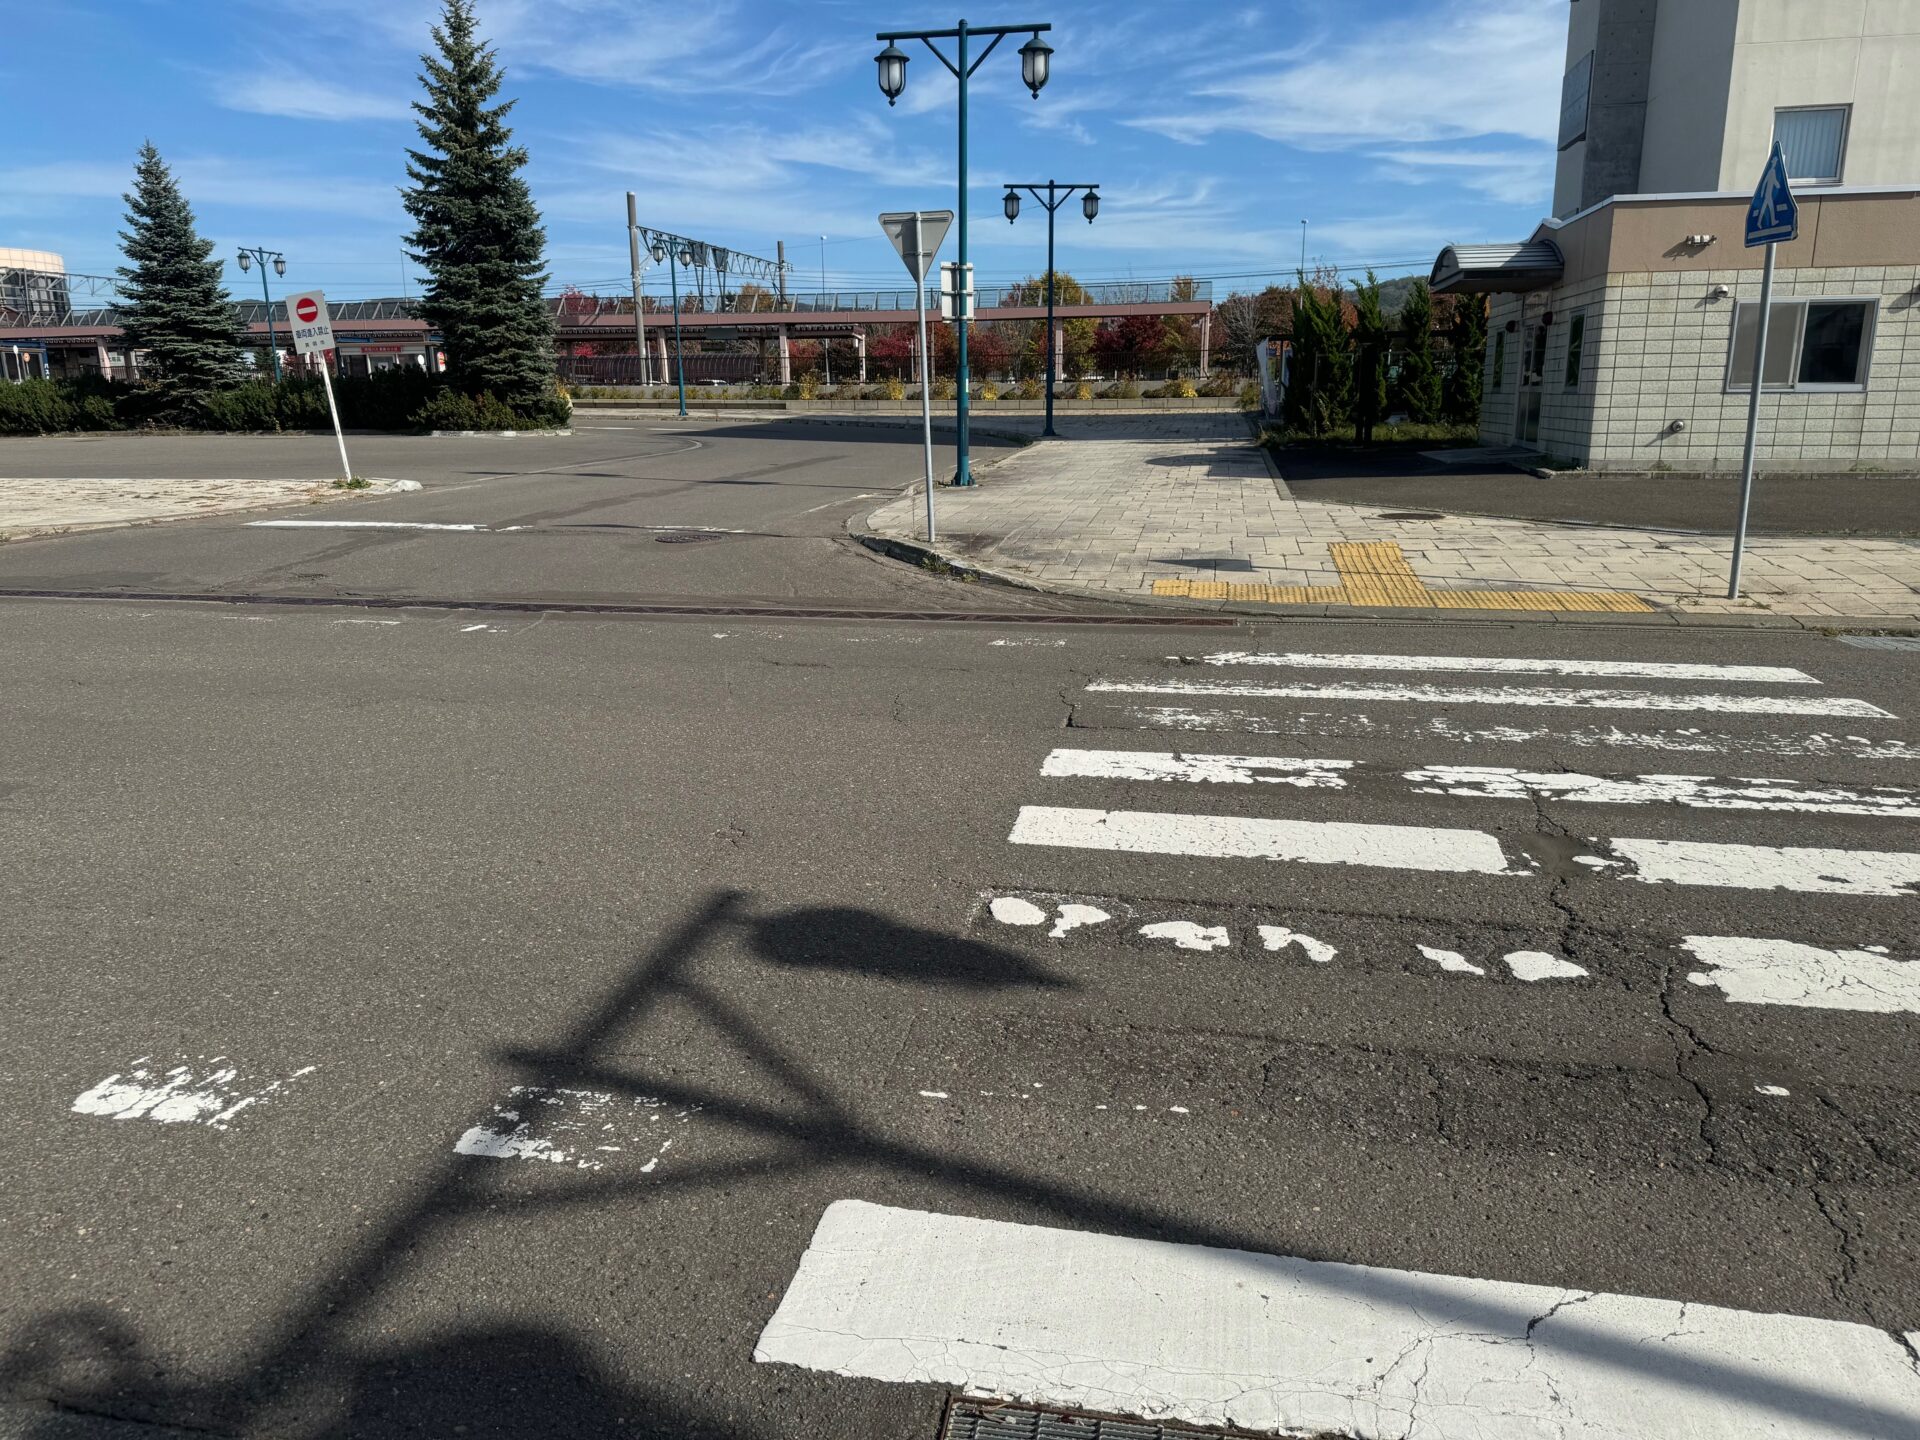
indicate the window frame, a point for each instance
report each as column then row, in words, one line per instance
column 1793, row 386
column 1576, row 349
column 1572, row 132
column 1846, row 134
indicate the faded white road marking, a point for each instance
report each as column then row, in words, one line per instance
column 934, row 1095
column 1769, row 867
column 1278, row 937
column 366, row 622
column 356, row 525
column 1073, row 916
column 1450, row 960
column 1187, row 935
column 1531, row 965
column 1616, row 669
column 1774, row 1090
column 1312, row 842
column 1331, row 725
column 1699, row 792
column 198, row 1093
column 1514, row 695
column 1276, row 1344
column 581, row 1128
column 1028, row 644
column 1783, row 972
column 1012, row 910
column 1211, row 769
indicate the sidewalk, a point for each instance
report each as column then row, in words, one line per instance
column 53, row 506
column 1184, row 507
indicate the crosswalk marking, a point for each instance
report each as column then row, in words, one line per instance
column 1351, row 691
column 1311, row 842
column 192, row 1092
column 1488, row 782
column 1496, row 665
column 1807, row 869
column 1752, row 971
column 1272, row 1343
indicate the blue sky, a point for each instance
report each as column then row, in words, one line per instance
column 1391, row 126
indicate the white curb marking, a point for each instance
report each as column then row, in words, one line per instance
column 1272, row 1343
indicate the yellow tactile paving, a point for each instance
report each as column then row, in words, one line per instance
column 1377, row 574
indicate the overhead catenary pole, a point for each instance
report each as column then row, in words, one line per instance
column 1753, row 424
column 639, row 310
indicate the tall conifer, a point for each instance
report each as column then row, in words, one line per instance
column 174, row 304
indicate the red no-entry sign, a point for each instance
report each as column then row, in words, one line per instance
column 306, row 309
column 312, row 326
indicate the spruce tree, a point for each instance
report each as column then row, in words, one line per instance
column 1369, row 360
column 174, row 305
column 478, row 234
column 1419, row 375
column 1319, row 370
column 1462, row 389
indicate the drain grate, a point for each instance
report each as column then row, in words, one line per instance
column 985, row 1420
column 1881, row 642
column 687, row 537
column 1409, row 515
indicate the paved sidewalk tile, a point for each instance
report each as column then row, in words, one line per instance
column 1144, row 505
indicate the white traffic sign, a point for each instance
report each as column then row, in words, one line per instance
column 917, row 234
column 1774, row 215
column 312, row 326
column 956, row 290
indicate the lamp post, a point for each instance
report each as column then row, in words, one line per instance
column 279, row 262
column 1035, row 62
column 1056, row 196
column 662, row 250
column 826, row 344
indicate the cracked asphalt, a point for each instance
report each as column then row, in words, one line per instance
column 737, row 875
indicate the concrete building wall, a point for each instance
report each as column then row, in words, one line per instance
column 1583, row 35
column 1687, row 87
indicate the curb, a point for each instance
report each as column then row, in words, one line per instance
column 495, row 434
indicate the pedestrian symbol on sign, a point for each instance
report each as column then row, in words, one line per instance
column 1774, row 215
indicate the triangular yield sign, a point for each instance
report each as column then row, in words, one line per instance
column 917, row 234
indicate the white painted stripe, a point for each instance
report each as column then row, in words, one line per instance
column 355, row 525
column 1784, row 972
column 1490, row 665
column 191, row 1093
column 1277, row 1344
column 1686, row 741
column 1699, row 792
column 1505, row 695
column 1767, row 867
column 1312, row 842
column 1213, row 769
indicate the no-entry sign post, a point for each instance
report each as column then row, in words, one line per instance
column 312, row 328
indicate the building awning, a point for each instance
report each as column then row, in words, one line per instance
column 1497, row 269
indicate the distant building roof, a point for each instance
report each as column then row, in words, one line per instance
column 1498, row 269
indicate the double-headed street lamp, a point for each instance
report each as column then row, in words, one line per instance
column 1055, row 197
column 1035, row 61
column 682, row 255
column 279, row 261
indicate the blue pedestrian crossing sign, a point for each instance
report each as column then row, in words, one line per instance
column 1774, row 215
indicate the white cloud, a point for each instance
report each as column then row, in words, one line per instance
column 1513, row 177
column 1471, row 68
column 300, row 97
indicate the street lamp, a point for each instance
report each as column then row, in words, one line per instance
column 1036, row 57
column 682, row 255
column 826, row 345
column 279, row 261
column 1055, row 196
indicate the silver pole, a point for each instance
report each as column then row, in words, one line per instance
column 346, row 470
column 1753, row 423
column 926, row 376
column 639, row 315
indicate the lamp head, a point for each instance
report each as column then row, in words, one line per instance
column 659, row 253
column 892, row 63
column 1011, row 205
column 1090, row 205
column 246, row 262
column 1035, row 60
column 279, row 264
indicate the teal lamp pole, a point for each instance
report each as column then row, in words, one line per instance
column 279, row 261
column 1035, row 61
column 1056, row 196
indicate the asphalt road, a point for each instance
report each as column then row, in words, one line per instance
column 458, row 1023
column 597, row 516
column 1843, row 504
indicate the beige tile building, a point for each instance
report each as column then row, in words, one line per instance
column 1621, row 332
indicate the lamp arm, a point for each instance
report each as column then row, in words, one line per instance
column 983, row 54
column 952, row 69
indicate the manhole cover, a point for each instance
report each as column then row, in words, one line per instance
column 1882, row 642
column 1409, row 515
column 686, row 537
column 985, row 1420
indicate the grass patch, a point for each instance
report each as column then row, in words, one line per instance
column 353, row 482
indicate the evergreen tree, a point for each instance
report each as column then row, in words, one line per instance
column 1461, row 398
column 1319, row 371
column 1369, row 360
column 174, row 305
column 478, row 234
column 1419, row 376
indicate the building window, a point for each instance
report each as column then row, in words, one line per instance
column 1576, row 338
column 1811, row 345
column 1499, row 357
column 1814, row 140
column 1575, row 90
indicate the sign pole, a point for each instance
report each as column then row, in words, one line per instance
column 926, row 376
column 346, row 470
column 1753, row 423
